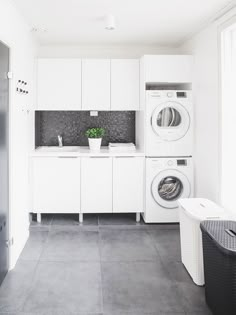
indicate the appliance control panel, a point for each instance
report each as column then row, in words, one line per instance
column 168, row 94
column 158, row 163
column 170, row 162
column 177, row 162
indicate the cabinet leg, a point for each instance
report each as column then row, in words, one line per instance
column 39, row 217
column 81, row 218
column 137, row 216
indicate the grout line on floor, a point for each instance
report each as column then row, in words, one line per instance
column 100, row 255
column 30, row 287
column 44, row 245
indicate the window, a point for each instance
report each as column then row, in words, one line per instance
column 228, row 134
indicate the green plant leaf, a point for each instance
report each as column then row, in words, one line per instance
column 95, row 132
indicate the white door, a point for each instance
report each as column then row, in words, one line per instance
column 170, row 121
column 128, row 184
column 59, row 84
column 96, row 82
column 125, row 84
column 168, row 186
column 96, row 184
column 168, row 68
column 56, row 184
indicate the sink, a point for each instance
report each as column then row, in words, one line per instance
column 59, row 149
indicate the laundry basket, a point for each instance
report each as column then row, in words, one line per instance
column 219, row 249
column 192, row 212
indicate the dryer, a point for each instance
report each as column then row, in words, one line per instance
column 169, row 123
column 167, row 180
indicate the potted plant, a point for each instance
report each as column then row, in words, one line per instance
column 95, row 138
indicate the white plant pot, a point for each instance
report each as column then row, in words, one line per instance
column 95, row 144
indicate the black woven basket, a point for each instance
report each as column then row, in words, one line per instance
column 219, row 251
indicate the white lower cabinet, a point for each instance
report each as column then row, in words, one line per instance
column 96, row 185
column 56, row 184
column 87, row 185
column 128, row 184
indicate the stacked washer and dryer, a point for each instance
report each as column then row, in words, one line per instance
column 169, row 146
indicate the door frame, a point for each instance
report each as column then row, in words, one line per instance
column 8, row 155
column 226, row 23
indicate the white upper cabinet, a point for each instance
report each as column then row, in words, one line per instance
column 125, row 84
column 128, row 184
column 59, row 84
column 96, row 84
column 167, row 68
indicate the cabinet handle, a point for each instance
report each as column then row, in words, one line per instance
column 99, row 157
column 68, row 157
column 125, row 157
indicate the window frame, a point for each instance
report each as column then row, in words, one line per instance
column 225, row 60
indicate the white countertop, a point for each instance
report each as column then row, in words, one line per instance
column 81, row 151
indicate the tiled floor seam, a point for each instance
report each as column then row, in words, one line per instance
column 33, row 277
column 51, row 223
column 154, row 244
column 175, row 283
column 45, row 243
column 30, row 288
column 164, row 266
column 100, row 255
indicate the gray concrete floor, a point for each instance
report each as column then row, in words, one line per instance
column 111, row 265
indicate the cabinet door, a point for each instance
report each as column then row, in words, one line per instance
column 59, row 84
column 56, row 185
column 125, row 84
column 96, row 185
column 172, row 69
column 128, row 184
column 96, row 84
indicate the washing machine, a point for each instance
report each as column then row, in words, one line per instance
column 167, row 180
column 169, row 123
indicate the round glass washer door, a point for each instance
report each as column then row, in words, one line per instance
column 168, row 186
column 170, row 121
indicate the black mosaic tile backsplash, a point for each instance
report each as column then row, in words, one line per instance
column 119, row 126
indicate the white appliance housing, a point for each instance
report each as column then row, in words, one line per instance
column 192, row 211
column 169, row 123
column 167, row 180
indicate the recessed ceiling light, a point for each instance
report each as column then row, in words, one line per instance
column 110, row 22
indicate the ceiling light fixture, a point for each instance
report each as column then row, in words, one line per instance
column 110, row 22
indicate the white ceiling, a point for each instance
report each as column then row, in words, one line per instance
column 162, row 22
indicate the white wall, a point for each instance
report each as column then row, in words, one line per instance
column 15, row 33
column 102, row 51
column 205, row 48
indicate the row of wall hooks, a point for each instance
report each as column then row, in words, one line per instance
column 21, row 87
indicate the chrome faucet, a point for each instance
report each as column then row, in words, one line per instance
column 60, row 142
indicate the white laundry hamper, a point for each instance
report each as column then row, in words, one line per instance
column 191, row 212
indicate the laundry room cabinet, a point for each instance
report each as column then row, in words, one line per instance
column 124, row 84
column 88, row 84
column 128, row 184
column 56, row 184
column 96, row 184
column 87, row 184
column 167, row 68
column 96, row 84
column 59, row 84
